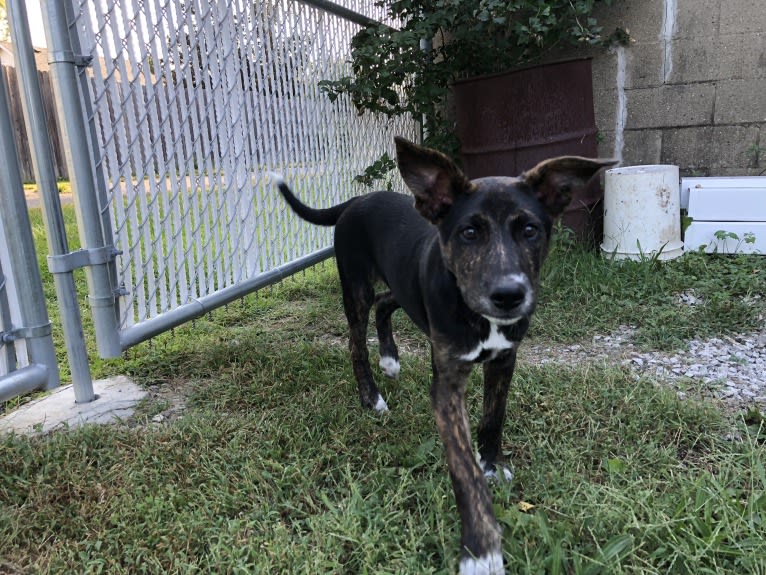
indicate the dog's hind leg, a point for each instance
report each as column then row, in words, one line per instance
column 497, row 381
column 358, row 298
column 385, row 305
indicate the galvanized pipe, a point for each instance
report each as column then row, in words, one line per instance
column 199, row 307
column 79, row 156
column 42, row 159
column 24, row 380
column 32, row 314
column 7, row 350
column 343, row 12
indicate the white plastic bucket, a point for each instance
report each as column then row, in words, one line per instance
column 642, row 213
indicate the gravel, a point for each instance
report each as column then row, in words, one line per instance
column 731, row 369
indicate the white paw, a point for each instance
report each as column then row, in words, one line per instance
column 389, row 366
column 381, row 406
column 490, row 564
column 492, row 474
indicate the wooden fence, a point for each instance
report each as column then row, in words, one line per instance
column 20, row 132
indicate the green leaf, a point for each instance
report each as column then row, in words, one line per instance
column 614, row 465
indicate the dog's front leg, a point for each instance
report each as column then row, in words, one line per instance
column 480, row 552
column 497, row 381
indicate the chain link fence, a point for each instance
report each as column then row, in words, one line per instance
column 192, row 104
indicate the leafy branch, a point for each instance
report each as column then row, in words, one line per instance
column 393, row 75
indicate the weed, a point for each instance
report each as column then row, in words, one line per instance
column 755, row 151
column 378, row 172
column 724, row 239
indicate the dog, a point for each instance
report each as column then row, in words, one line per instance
column 463, row 262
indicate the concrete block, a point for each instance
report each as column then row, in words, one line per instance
column 697, row 18
column 709, row 150
column 606, row 144
column 604, row 66
column 605, row 108
column 761, row 171
column 645, row 62
column 736, row 56
column 742, row 56
column 739, row 101
column 696, row 60
column 742, row 16
column 642, row 147
column 642, row 18
column 756, row 151
column 116, row 399
column 674, row 105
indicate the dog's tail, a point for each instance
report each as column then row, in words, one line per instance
column 318, row 216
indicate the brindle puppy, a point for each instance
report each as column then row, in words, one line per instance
column 463, row 263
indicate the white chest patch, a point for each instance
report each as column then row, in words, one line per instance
column 495, row 343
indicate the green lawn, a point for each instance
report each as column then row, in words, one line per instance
column 273, row 467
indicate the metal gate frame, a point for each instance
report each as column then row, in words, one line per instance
column 91, row 121
column 24, row 326
column 27, row 354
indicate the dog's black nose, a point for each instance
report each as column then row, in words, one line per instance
column 509, row 297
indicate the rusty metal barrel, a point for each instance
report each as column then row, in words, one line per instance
column 510, row 121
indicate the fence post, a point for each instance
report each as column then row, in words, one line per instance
column 42, row 160
column 7, row 350
column 77, row 146
column 35, row 328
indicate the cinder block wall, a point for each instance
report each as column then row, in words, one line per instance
column 690, row 88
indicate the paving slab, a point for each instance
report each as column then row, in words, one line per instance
column 116, row 399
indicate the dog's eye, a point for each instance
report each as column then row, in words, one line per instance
column 531, row 232
column 469, row 234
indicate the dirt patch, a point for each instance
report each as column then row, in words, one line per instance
column 164, row 403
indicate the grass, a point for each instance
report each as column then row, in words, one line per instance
column 585, row 294
column 274, row 468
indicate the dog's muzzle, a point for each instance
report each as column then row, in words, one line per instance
column 511, row 298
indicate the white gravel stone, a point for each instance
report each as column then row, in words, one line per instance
column 732, row 368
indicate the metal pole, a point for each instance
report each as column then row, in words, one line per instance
column 24, row 380
column 199, row 307
column 42, row 159
column 77, row 146
column 8, row 349
column 343, row 12
column 35, row 327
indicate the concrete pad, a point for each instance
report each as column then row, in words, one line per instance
column 116, row 399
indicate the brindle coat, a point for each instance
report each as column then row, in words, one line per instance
column 464, row 266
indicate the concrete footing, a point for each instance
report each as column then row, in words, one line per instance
column 116, row 399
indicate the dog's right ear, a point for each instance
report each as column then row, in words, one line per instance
column 433, row 178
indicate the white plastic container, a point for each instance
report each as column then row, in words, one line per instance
column 642, row 213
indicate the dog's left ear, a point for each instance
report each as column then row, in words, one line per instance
column 555, row 181
column 433, row 178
